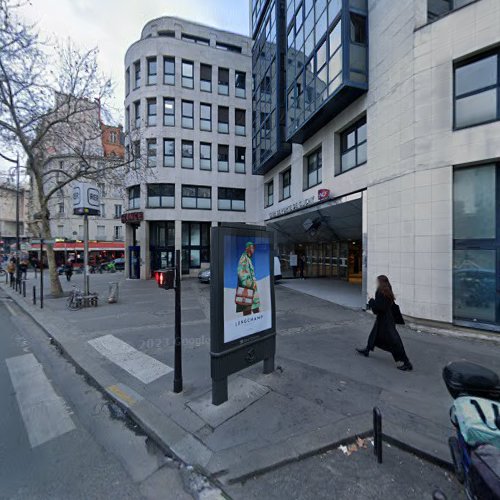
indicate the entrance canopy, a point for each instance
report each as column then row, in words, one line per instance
column 333, row 220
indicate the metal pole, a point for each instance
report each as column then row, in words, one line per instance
column 18, row 242
column 41, row 273
column 85, row 253
column 178, row 339
column 377, row 434
column 24, row 288
column 34, row 295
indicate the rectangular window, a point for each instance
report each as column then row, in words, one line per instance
column 228, row 47
column 169, row 70
column 223, row 158
column 187, row 114
column 231, row 199
column 240, row 84
column 168, row 112
column 117, row 233
column 239, row 121
column 101, row 232
column 187, row 154
column 127, row 119
column 103, row 210
column 477, row 86
column 268, row 193
column 137, row 74
column 118, row 211
column 187, row 74
column 312, row 170
column 223, row 120
column 169, row 152
column 60, row 208
column 134, row 197
column 152, row 70
column 151, row 151
column 439, row 8
column 102, row 189
column 127, row 81
column 197, row 197
column 161, row 195
column 239, row 159
column 205, row 156
column 195, row 244
column 223, row 81
column 137, row 114
column 286, row 182
column 151, row 109
column 205, row 116
column 353, row 146
column 205, row 77
column 136, row 151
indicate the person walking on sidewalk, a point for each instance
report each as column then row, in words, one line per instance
column 11, row 269
column 68, row 270
column 384, row 334
column 302, row 265
column 23, row 269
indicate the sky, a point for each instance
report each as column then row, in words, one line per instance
column 113, row 25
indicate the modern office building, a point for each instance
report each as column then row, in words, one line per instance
column 188, row 121
column 390, row 111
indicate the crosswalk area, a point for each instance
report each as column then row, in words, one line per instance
column 44, row 413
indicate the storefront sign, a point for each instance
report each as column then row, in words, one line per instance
column 132, row 217
column 323, row 194
column 243, row 321
column 293, row 207
column 86, row 199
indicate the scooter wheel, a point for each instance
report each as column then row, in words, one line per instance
column 457, row 459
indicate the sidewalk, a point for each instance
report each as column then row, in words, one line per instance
column 321, row 393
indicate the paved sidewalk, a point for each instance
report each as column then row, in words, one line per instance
column 321, row 393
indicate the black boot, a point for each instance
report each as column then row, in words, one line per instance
column 405, row 367
column 364, row 352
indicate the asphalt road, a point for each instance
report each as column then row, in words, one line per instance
column 60, row 439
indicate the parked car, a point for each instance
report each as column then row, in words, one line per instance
column 204, row 276
column 120, row 264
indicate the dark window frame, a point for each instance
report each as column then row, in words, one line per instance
column 343, row 144
column 187, row 143
column 172, row 101
column 187, row 117
column 134, row 193
column 203, row 81
column 151, row 78
column 160, row 195
column 269, row 186
column 149, row 142
column 209, row 158
column 223, row 194
column 185, row 78
column 165, row 140
column 151, row 118
column 196, row 188
column 286, row 175
column 168, row 78
column 205, row 121
column 318, row 153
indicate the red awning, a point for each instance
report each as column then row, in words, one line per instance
column 78, row 246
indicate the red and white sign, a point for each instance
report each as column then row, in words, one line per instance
column 132, row 217
column 323, row 194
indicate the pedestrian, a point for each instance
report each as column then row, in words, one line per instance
column 23, row 269
column 302, row 265
column 384, row 334
column 11, row 269
column 68, row 270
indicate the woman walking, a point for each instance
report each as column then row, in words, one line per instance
column 384, row 334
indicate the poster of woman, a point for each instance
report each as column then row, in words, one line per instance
column 247, row 286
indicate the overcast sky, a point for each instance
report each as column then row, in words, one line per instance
column 112, row 25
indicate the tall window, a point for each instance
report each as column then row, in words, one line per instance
column 240, row 84
column 187, row 154
column 223, row 120
column 127, row 119
column 205, row 116
column 168, row 112
column 137, row 114
column 136, row 152
column 118, row 211
column 239, row 121
column 312, row 170
column 223, row 81
column 187, row 74
column 187, row 114
column 151, row 105
column 169, row 70
column 137, row 74
column 169, row 152
column 134, row 197
column 223, row 158
column 197, row 197
column 477, row 86
column 231, row 199
column 151, row 152
column 117, row 233
column 353, row 146
column 268, row 193
column 161, row 195
column 152, row 70
column 206, row 77
column 127, row 81
column 195, row 244
column 101, row 232
column 205, row 156
column 239, row 159
column 286, row 182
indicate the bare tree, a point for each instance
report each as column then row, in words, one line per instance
column 51, row 99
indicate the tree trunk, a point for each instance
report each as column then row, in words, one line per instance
column 55, row 283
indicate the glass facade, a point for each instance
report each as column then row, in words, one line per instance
column 476, row 241
column 195, row 245
column 439, row 8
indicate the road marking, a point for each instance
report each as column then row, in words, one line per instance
column 135, row 362
column 44, row 413
column 11, row 310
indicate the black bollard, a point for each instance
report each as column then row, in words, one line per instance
column 178, row 339
column 24, row 288
column 377, row 434
column 34, row 295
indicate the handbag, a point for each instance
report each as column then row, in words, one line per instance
column 396, row 313
column 244, row 296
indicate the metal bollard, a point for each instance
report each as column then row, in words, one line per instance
column 24, row 288
column 34, row 295
column 377, row 434
column 113, row 292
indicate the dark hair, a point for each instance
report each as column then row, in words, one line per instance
column 385, row 288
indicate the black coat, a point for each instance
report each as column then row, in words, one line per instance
column 384, row 334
